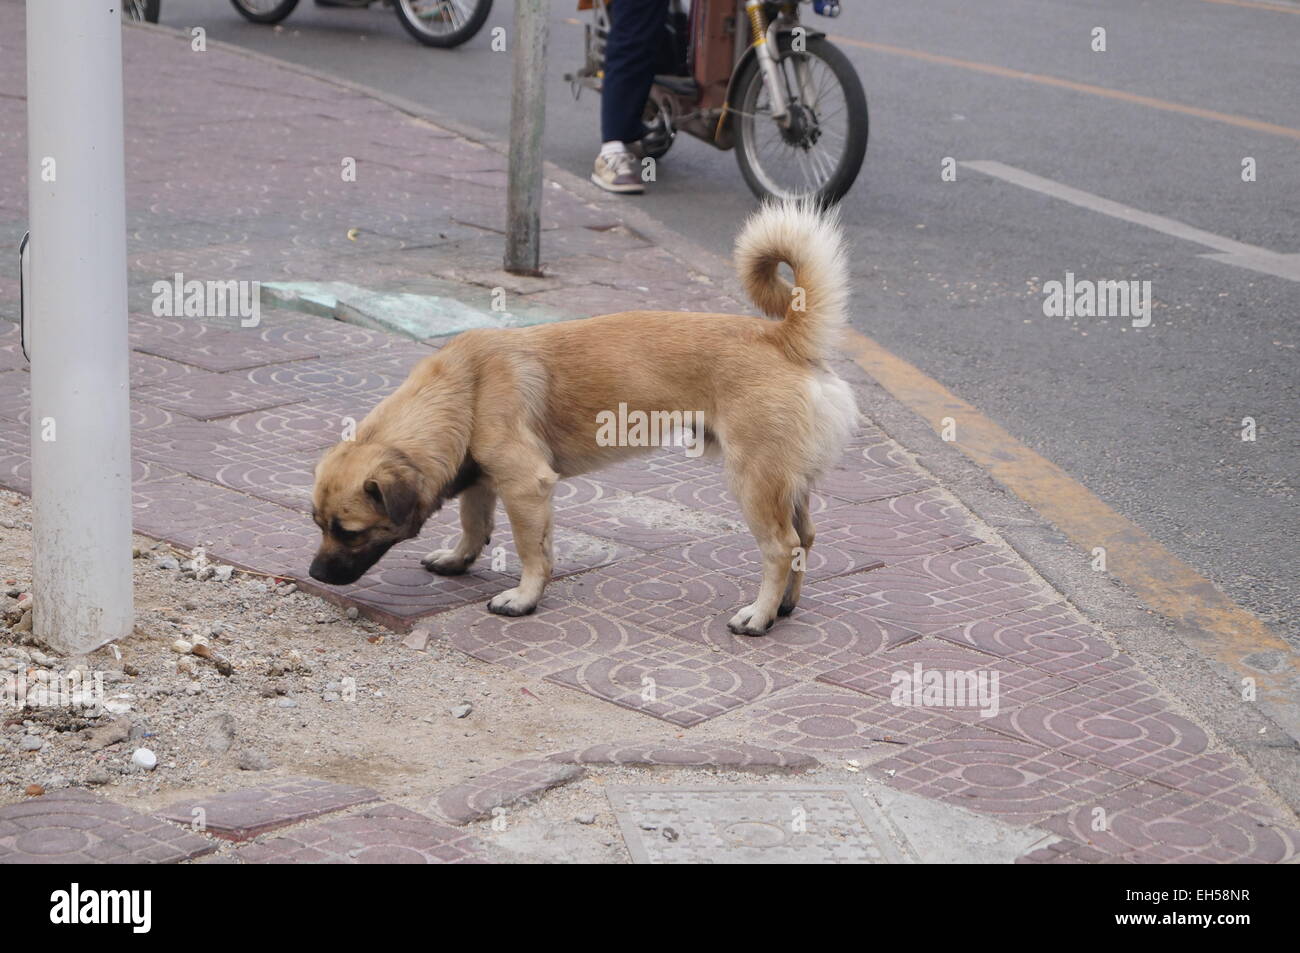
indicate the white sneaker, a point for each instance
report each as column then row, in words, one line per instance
column 618, row 172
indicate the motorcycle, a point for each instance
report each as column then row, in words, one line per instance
column 746, row 74
column 441, row 23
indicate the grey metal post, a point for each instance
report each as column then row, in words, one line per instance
column 527, row 119
column 76, row 325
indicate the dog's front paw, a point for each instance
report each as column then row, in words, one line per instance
column 511, row 602
column 445, row 562
column 748, row 622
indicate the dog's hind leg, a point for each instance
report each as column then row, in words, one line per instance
column 526, row 492
column 478, row 505
column 803, row 527
column 769, row 512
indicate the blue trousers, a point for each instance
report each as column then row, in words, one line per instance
column 632, row 53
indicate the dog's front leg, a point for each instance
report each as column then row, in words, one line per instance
column 477, row 511
column 528, row 504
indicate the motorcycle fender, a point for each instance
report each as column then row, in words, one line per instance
column 722, row 136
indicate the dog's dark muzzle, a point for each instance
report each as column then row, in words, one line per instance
column 345, row 568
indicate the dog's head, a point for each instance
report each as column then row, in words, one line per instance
column 367, row 498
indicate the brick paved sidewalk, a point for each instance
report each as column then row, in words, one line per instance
column 234, row 172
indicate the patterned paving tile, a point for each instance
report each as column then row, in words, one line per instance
column 730, row 755
column 15, row 456
column 1217, row 777
column 74, row 826
column 1149, row 823
column 382, row 834
column 225, row 350
column 292, row 428
column 553, row 639
column 738, row 555
column 207, row 396
column 147, row 369
column 873, row 472
column 897, row 529
column 661, row 593
column 958, row 682
column 516, row 783
column 1119, row 721
column 244, row 813
column 15, row 393
column 1067, row 852
column 1052, row 639
column 673, row 680
column 993, row 774
column 814, row 639
column 945, row 590
column 372, row 377
column 821, row 719
column 647, row 523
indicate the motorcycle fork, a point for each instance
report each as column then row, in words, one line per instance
column 772, row 77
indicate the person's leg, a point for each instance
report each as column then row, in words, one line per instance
column 631, row 53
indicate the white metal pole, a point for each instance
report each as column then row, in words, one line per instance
column 76, row 324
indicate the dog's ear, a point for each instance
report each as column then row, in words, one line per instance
column 394, row 486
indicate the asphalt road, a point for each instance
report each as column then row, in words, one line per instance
column 948, row 275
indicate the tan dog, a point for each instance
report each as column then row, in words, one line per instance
column 509, row 412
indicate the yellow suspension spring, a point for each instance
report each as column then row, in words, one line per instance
column 757, row 22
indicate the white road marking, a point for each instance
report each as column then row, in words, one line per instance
column 1228, row 251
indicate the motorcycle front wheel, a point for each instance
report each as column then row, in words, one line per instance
column 442, row 23
column 264, row 11
column 141, row 11
column 820, row 149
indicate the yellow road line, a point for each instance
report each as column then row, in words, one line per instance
column 1120, row 95
column 1158, row 577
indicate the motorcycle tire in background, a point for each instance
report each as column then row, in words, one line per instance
column 264, row 11
column 141, row 11
column 821, row 151
column 442, row 23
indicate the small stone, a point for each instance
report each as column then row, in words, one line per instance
column 330, row 697
column 251, row 760
column 31, row 743
column 288, row 703
column 144, row 758
column 185, row 666
column 112, row 733
column 34, row 790
column 97, row 776
column 585, row 818
column 182, row 647
column 25, row 623
column 194, row 688
column 223, row 573
column 131, row 670
column 417, row 639
column 353, row 613
column 168, row 562
column 460, row 711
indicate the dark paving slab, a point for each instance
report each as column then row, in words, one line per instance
column 948, row 589
column 74, row 826
column 961, row 683
column 245, row 813
column 812, row 718
column 383, row 834
column 1150, row 823
column 516, row 783
column 1117, row 720
column 672, row 680
column 1006, row 777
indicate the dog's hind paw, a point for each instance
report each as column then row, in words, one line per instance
column 511, row 603
column 445, row 562
column 748, row 622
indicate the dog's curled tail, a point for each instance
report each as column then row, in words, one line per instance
column 807, row 237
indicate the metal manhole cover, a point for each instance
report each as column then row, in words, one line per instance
column 779, row 825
